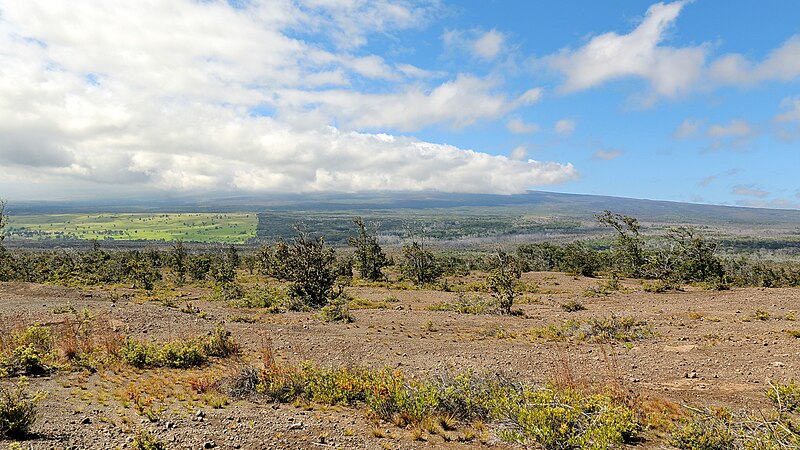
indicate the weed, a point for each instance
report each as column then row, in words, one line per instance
column 785, row 397
column 472, row 304
column 613, row 328
column 604, row 288
column 760, row 314
column 794, row 333
column 660, row 286
column 337, row 310
column 145, row 440
column 572, row 306
column 18, row 410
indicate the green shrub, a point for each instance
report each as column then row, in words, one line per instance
column 467, row 304
column 145, row 440
column 704, row 435
column 271, row 298
column 337, row 310
column 17, row 410
column 178, row 353
column 785, row 397
column 572, row 306
column 220, row 344
column 597, row 330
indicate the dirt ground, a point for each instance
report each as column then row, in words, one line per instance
column 708, row 350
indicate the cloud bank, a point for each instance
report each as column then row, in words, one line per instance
column 187, row 95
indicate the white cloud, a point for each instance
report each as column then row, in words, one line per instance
column 489, row 45
column 458, row 103
column 791, row 105
column 607, row 155
column 481, row 45
column 788, row 122
column 736, row 129
column 707, row 180
column 688, row 129
column 151, row 95
column 737, row 133
column 781, row 64
column 565, row 126
column 749, row 191
column 670, row 71
column 517, row 125
column 519, row 153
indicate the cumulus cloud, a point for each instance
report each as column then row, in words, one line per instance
column 781, row 64
column 736, row 133
column 489, row 45
column 687, row 129
column 707, row 180
column 518, row 126
column 519, row 153
column 482, row 45
column 749, row 191
column 457, row 103
column 565, row 126
column 607, row 155
column 670, row 71
column 789, row 120
column 152, row 94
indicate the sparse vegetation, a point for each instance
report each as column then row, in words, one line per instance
column 612, row 328
column 18, row 411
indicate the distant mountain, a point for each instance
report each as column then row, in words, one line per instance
column 532, row 203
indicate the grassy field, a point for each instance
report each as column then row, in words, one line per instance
column 234, row 228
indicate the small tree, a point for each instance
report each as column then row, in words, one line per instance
column 3, row 220
column 419, row 265
column 629, row 248
column 311, row 269
column 141, row 271
column 696, row 260
column 503, row 280
column 178, row 261
column 369, row 256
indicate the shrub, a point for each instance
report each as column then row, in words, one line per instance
column 261, row 296
column 369, row 256
column 178, row 353
column 337, row 311
column 145, row 440
column 703, row 435
column 598, row 330
column 785, row 397
column 17, row 410
column 466, row 304
column 572, row 306
column 419, row 265
column 502, row 282
column 220, row 344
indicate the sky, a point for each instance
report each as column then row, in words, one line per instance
column 694, row 101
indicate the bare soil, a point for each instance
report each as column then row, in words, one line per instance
column 708, row 350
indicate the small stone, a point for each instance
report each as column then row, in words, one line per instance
column 777, row 364
column 209, row 444
column 200, row 413
column 86, row 421
column 296, row 426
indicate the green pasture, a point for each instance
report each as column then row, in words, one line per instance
column 234, row 228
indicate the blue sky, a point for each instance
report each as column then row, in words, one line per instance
column 688, row 101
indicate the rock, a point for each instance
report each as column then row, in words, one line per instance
column 86, row 421
column 777, row 364
column 296, row 426
column 209, row 444
column 200, row 413
column 691, row 374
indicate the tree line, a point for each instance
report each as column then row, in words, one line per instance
column 315, row 273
